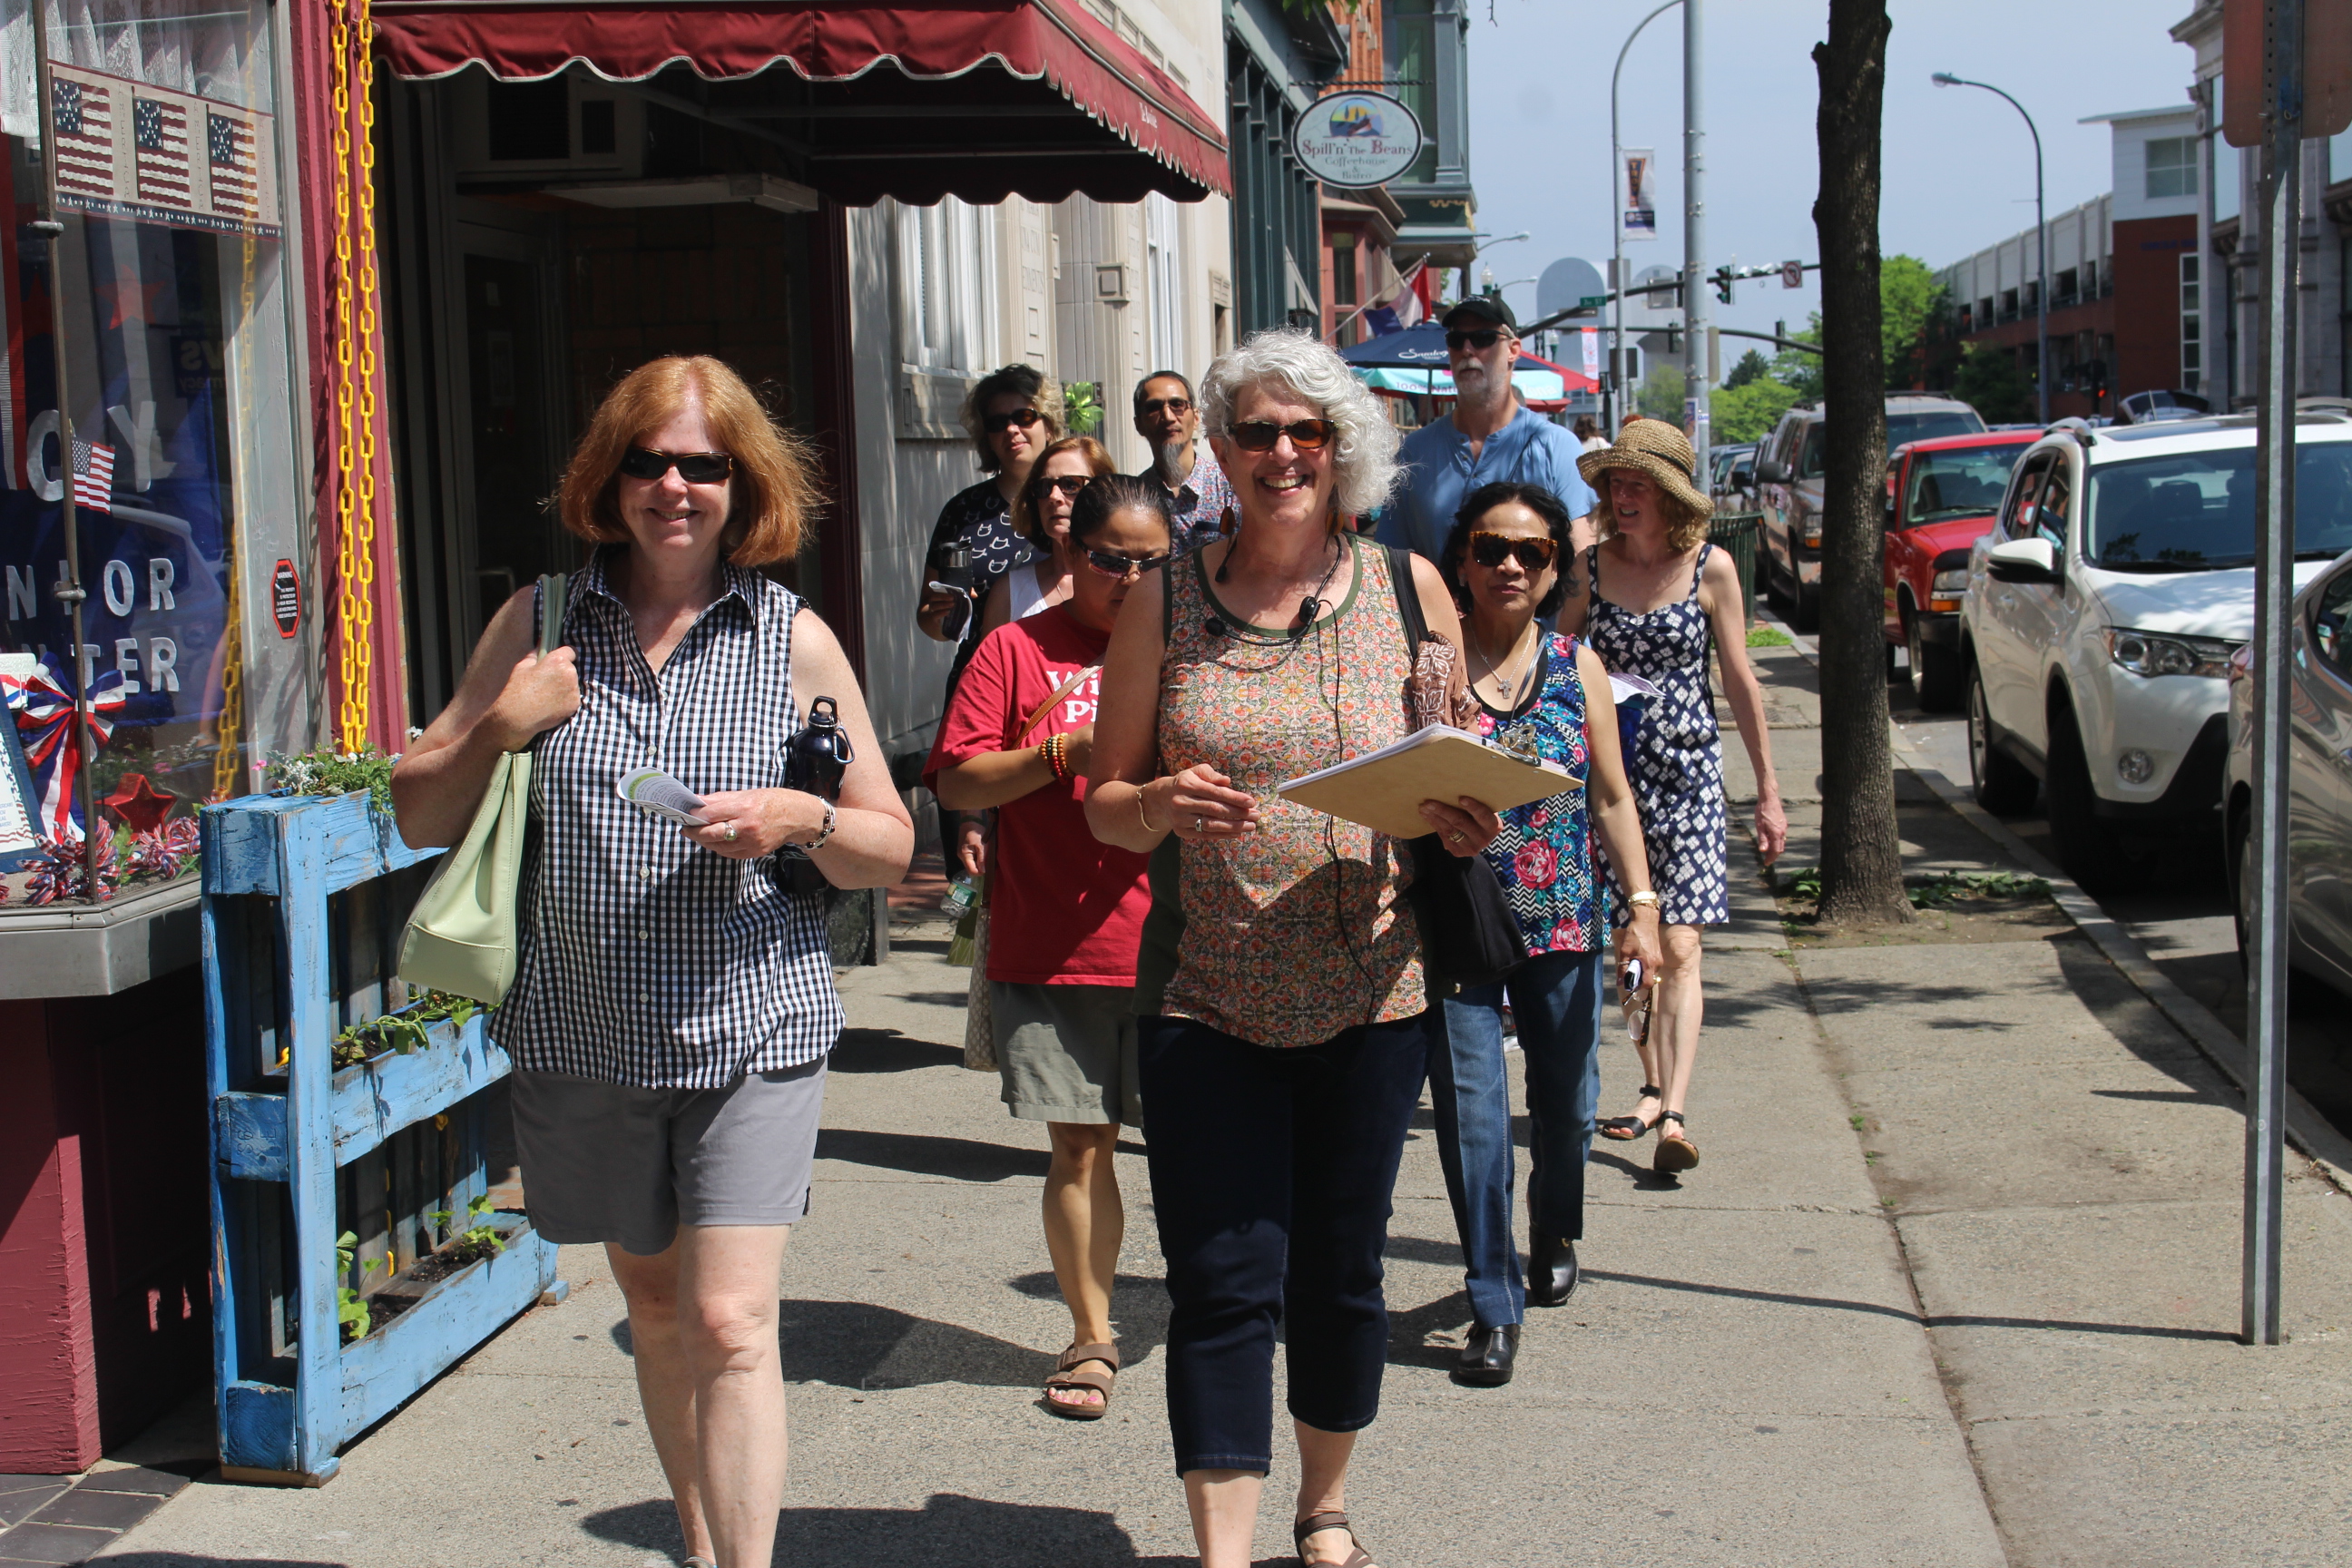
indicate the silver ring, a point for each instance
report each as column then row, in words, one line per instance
column 1456, row 836
column 731, row 833
column 1199, row 825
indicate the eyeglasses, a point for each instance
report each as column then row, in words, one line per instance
column 694, row 468
column 1111, row 565
column 1491, row 550
column 1024, row 418
column 1068, row 484
column 1260, row 435
column 1179, row 407
column 1479, row 340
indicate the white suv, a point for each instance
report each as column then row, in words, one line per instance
column 2101, row 614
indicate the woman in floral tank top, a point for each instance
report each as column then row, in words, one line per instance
column 1506, row 562
column 1284, row 1028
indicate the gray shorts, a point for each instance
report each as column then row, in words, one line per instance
column 1066, row 1053
column 606, row 1162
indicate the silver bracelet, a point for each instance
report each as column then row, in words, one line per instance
column 824, row 833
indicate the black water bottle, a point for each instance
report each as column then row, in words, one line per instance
column 820, row 754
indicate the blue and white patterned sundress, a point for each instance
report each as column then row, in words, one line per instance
column 1676, row 765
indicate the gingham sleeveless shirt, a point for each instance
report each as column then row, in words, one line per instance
column 646, row 959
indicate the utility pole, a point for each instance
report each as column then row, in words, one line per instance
column 2041, row 243
column 1616, row 408
column 1695, row 308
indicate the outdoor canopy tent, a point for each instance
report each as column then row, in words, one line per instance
column 980, row 101
column 1413, row 363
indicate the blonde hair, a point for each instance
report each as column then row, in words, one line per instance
column 1024, row 505
column 774, row 488
column 1685, row 524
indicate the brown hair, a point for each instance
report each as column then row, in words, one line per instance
column 774, row 488
column 1024, row 511
column 1026, row 382
column 1685, row 524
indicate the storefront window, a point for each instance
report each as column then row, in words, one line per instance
column 164, row 302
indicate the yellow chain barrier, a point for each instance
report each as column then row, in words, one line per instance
column 230, row 729
column 355, row 365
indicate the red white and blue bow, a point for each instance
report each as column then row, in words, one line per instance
column 54, row 751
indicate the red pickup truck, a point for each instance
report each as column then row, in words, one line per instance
column 1941, row 496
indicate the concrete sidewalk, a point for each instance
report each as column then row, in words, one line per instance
column 1955, row 1284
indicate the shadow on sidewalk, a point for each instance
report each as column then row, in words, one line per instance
column 184, row 1560
column 1905, row 1314
column 924, row 1154
column 887, row 1050
column 970, row 1532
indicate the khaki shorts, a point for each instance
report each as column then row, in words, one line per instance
column 606, row 1162
column 1066, row 1053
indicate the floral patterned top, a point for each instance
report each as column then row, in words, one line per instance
column 1544, row 855
column 1300, row 930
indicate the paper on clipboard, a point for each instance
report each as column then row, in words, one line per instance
column 1383, row 790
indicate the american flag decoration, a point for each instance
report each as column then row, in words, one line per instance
column 85, row 120
column 237, row 186
column 54, row 753
column 93, row 471
column 159, row 131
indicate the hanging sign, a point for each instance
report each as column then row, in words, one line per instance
column 286, row 598
column 126, row 148
column 1641, row 220
column 1355, row 140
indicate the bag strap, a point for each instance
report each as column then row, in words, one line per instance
column 1047, row 706
column 552, row 599
column 1408, row 600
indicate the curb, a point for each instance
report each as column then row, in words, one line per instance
column 2312, row 1133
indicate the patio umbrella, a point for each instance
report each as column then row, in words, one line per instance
column 1420, row 350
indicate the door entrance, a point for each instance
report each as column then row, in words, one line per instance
column 510, row 444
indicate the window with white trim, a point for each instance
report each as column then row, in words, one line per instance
column 947, row 287
column 1163, row 268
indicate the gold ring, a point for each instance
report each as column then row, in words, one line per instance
column 1456, row 836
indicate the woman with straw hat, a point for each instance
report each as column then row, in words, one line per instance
column 1654, row 595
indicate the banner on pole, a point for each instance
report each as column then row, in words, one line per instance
column 1640, row 211
column 1591, row 336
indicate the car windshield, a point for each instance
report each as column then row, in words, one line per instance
column 1960, row 482
column 2195, row 511
column 1901, row 428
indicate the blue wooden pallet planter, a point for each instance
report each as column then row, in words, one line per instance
column 277, row 955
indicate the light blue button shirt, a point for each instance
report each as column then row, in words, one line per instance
column 1440, row 471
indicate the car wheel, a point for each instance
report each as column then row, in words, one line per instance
column 1805, row 607
column 1935, row 671
column 2088, row 846
column 2001, row 784
column 1894, row 676
column 2240, row 864
column 1773, row 594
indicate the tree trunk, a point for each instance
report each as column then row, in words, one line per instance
column 1862, row 853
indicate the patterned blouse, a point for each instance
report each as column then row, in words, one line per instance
column 980, row 517
column 1544, row 855
column 646, row 959
column 1300, row 932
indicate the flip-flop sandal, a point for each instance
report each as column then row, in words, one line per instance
column 1675, row 1152
column 1067, row 1375
column 1330, row 1519
column 1628, row 1128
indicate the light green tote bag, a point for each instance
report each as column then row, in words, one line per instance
column 461, row 937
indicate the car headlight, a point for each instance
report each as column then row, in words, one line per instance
column 2147, row 653
column 1950, row 584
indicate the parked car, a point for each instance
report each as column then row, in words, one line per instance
column 2319, row 780
column 1733, row 484
column 2158, row 407
column 2101, row 614
column 1788, row 469
column 1941, row 496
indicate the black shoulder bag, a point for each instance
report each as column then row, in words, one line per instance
column 1469, row 934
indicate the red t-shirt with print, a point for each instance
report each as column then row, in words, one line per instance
column 1065, row 909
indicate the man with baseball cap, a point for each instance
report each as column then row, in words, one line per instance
column 1490, row 436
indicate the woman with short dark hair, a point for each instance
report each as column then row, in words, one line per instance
column 673, row 1004
column 1041, row 515
column 1507, row 561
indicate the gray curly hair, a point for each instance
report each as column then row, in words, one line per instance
column 1363, row 461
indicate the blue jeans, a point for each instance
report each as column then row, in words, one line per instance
column 1556, row 1001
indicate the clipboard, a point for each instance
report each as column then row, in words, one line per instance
column 1383, row 790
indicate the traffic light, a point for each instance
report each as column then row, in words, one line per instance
column 1674, row 338
column 1723, row 284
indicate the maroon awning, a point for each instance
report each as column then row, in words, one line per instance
column 996, row 97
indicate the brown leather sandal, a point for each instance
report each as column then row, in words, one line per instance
column 1067, row 1375
column 1675, row 1152
column 1330, row 1518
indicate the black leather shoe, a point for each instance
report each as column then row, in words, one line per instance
column 1488, row 1355
column 1552, row 1270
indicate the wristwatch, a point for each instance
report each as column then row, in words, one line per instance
column 826, row 832
column 1646, row 896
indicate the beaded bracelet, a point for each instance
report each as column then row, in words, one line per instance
column 1055, row 752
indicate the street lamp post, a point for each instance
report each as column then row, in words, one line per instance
column 1617, row 224
column 2041, row 243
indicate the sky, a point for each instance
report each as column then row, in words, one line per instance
column 1957, row 163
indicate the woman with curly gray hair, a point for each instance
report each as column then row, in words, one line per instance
column 1284, row 1030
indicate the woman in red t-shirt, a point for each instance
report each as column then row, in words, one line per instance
column 1065, row 910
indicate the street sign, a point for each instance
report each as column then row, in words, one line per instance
column 1568, row 284
column 2327, row 70
column 1352, row 141
column 1591, row 301
column 1792, row 275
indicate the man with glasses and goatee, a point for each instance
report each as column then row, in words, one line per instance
column 1489, row 437
column 1199, row 500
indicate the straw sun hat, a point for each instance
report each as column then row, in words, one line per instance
column 1661, row 451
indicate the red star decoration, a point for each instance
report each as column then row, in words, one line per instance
column 140, row 803
column 130, row 299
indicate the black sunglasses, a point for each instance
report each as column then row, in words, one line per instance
column 694, row 468
column 1068, row 484
column 1115, row 565
column 1479, row 340
column 1491, row 550
column 1260, row 435
column 1179, row 407
column 1024, row 418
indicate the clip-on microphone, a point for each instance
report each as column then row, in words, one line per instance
column 1213, row 627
